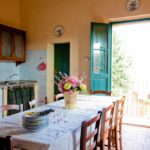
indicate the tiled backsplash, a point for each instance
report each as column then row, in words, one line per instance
column 7, row 69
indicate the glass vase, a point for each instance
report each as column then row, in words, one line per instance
column 71, row 100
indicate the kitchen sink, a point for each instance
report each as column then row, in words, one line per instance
column 12, row 82
column 16, row 83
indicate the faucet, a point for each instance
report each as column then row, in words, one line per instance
column 10, row 77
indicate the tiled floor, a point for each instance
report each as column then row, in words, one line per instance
column 136, row 138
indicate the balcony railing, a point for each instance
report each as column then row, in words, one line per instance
column 137, row 104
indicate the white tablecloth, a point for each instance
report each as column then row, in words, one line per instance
column 63, row 132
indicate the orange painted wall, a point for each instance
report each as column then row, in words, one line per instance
column 10, row 12
column 39, row 17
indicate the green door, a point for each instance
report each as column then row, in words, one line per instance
column 61, row 60
column 100, row 78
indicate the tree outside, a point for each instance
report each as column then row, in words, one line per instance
column 120, row 66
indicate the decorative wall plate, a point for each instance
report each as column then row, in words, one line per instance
column 59, row 30
column 132, row 5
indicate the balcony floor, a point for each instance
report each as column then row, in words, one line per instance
column 136, row 138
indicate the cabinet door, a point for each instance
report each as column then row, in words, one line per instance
column 19, row 46
column 6, row 44
column 12, row 44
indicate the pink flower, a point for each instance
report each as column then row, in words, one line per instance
column 74, row 81
column 69, row 84
column 70, row 92
column 60, row 86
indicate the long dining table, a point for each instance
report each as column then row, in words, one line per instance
column 64, row 129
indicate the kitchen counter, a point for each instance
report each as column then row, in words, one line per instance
column 5, row 87
column 14, row 83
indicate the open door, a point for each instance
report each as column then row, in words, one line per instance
column 101, row 39
column 61, row 60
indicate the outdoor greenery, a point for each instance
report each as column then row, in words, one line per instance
column 120, row 66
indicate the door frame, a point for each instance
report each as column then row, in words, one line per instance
column 124, row 22
column 74, row 64
column 110, row 36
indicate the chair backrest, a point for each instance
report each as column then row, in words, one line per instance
column 107, row 122
column 59, row 96
column 11, row 107
column 32, row 103
column 119, row 112
column 101, row 92
column 85, row 137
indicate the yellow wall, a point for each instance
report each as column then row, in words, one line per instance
column 10, row 13
column 39, row 17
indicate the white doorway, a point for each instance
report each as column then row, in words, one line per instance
column 130, row 69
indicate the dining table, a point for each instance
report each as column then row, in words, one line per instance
column 64, row 128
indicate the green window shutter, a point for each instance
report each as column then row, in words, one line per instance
column 101, row 39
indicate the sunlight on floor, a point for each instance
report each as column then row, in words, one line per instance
column 135, row 138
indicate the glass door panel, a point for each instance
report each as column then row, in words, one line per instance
column 96, row 62
column 6, row 44
column 19, row 45
column 103, row 61
column 100, row 59
column 100, row 37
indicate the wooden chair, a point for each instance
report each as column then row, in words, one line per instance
column 5, row 143
column 106, row 126
column 35, row 103
column 101, row 92
column 59, row 96
column 89, row 141
column 32, row 103
column 11, row 107
column 116, row 131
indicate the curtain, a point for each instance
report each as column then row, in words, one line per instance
column 20, row 95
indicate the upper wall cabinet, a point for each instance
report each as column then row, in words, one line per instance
column 12, row 44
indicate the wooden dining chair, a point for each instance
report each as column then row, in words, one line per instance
column 5, row 143
column 36, row 102
column 88, row 141
column 116, row 131
column 109, row 93
column 4, row 108
column 106, row 125
column 59, row 96
column 32, row 103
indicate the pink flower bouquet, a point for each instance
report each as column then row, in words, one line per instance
column 70, row 84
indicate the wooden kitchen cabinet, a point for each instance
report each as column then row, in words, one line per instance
column 12, row 44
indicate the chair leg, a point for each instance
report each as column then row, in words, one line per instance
column 116, row 139
column 120, row 135
column 113, row 135
column 120, row 141
column 110, row 142
column 102, row 145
